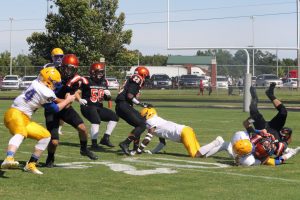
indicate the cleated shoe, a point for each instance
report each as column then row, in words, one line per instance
column 49, row 163
column 95, row 147
column 31, row 167
column 125, row 148
column 270, row 90
column 10, row 163
column 89, row 154
column 106, row 141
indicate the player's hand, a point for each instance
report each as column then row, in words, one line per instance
column 82, row 102
column 147, row 151
column 146, row 105
column 70, row 98
column 107, row 93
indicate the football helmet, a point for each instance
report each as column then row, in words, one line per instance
column 242, row 147
column 50, row 77
column 69, row 66
column 148, row 112
column 57, row 54
column 264, row 148
column 286, row 133
column 142, row 71
column 97, row 70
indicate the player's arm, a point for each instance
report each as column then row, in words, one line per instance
column 160, row 146
column 146, row 140
column 56, row 107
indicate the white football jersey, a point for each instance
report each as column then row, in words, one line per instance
column 165, row 129
column 246, row 160
column 33, row 98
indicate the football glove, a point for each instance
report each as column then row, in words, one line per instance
column 82, row 102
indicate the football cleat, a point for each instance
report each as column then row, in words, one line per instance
column 270, row 90
column 125, row 148
column 31, row 167
column 10, row 163
column 106, row 141
column 89, row 154
column 49, row 162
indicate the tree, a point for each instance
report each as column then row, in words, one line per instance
column 87, row 28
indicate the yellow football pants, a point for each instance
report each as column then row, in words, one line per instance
column 19, row 123
column 189, row 140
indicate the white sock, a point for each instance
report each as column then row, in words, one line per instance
column 218, row 148
column 43, row 143
column 110, row 127
column 16, row 140
column 206, row 148
column 94, row 131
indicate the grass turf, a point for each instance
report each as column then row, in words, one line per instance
column 99, row 181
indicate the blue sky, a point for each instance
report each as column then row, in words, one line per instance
column 199, row 23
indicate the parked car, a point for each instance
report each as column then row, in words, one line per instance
column 222, row 82
column 113, row 83
column 291, row 83
column 265, row 80
column 189, row 81
column 26, row 81
column 160, row 81
column 205, row 80
column 11, row 82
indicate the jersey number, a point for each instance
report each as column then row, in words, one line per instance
column 96, row 95
column 29, row 94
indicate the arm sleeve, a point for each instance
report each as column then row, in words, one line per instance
column 51, row 107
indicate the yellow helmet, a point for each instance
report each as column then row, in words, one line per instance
column 148, row 112
column 242, row 147
column 57, row 51
column 50, row 77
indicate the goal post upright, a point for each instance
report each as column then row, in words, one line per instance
column 247, row 96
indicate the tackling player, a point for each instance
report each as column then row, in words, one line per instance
column 94, row 90
column 124, row 107
column 255, row 150
column 18, row 118
column 175, row 132
column 70, row 84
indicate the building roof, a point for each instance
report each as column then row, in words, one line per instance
column 194, row 60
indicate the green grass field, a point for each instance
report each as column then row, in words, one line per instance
column 181, row 177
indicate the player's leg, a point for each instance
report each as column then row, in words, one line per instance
column 91, row 114
column 133, row 118
column 259, row 121
column 111, row 117
column 190, row 142
column 16, row 123
column 42, row 135
column 70, row 116
column 52, row 124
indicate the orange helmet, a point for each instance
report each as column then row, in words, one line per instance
column 142, row 71
column 97, row 70
column 69, row 66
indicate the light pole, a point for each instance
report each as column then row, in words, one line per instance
column 252, row 19
column 10, row 61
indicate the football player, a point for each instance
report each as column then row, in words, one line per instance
column 93, row 91
column 56, row 56
column 175, row 132
column 71, row 82
column 18, row 117
column 276, row 125
column 124, row 107
column 255, row 150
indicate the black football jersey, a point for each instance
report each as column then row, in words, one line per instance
column 93, row 91
column 69, row 86
column 133, row 86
